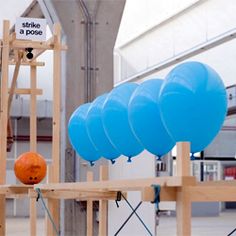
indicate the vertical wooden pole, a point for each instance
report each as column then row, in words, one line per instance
column 89, row 209
column 183, row 203
column 103, row 205
column 49, row 228
column 33, row 110
column 33, row 141
column 53, row 204
column 3, row 120
column 33, row 216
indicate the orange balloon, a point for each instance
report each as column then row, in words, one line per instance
column 30, row 168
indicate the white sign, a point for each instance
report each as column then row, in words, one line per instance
column 31, row 28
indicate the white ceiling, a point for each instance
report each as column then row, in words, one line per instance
column 11, row 9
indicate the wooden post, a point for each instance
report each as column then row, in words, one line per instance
column 33, row 110
column 3, row 119
column 54, row 204
column 33, row 141
column 183, row 203
column 89, row 209
column 103, row 205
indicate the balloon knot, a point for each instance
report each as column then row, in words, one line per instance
column 192, row 158
column 92, row 163
column 158, row 158
column 129, row 159
column 113, row 161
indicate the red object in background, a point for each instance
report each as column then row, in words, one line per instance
column 230, row 172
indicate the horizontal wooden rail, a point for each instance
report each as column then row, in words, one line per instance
column 119, row 185
column 28, row 91
column 22, row 44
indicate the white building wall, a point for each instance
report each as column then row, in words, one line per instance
column 184, row 30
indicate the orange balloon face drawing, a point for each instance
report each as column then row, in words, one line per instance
column 30, row 168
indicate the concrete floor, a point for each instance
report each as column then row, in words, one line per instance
column 201, row 226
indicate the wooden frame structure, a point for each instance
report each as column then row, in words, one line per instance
column 13, row 52
column 182, row 188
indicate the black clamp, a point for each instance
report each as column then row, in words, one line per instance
column 157, row 190
column 118, row 198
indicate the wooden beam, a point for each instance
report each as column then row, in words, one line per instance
column 29, row 63
column 211, row 193
column 55, row 174
column 56, row 104
column 199, row 193
column 33, row 141
column 183, row 212
column 33, row 110
column 218, row 183
column 89, row 223
column 22, row 44
column 15, row 189
column 103, row 205
column 3, row 119
column 166, row 194
column 183, row 159
column 33, row 217
column 13, row 82
column 26, row 91
column 119, row 185
column 38, row 52
column 183, row 203
column 79, row 196
column 53, row 207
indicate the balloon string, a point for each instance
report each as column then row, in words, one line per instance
column 129, row 159
column 91, row 163
column 113, row 161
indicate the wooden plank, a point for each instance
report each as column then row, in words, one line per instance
column 183, row 212
column 212, row 193
column 53, row 207
column 118, row 185
column 13, row 83
column 27, row 63
column 55, row 174
column 15, row 189
column 33, row 141
column 38, row 52
column 33, row 110
column 56, row 104
column 2, row 215
column 89, row 223
column 22, row 44
column 28, row 91
column 218, row 183
column 183, row 203
column 3, row 119
column 33, row 217
column 166, row 194
column 183, row 159
column 79, row 196
column 103, row 205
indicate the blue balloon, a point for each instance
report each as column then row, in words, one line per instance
column 78, row 135
column 193, row 104
column 116, row 123
column 96, row 130
column 145, row 118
